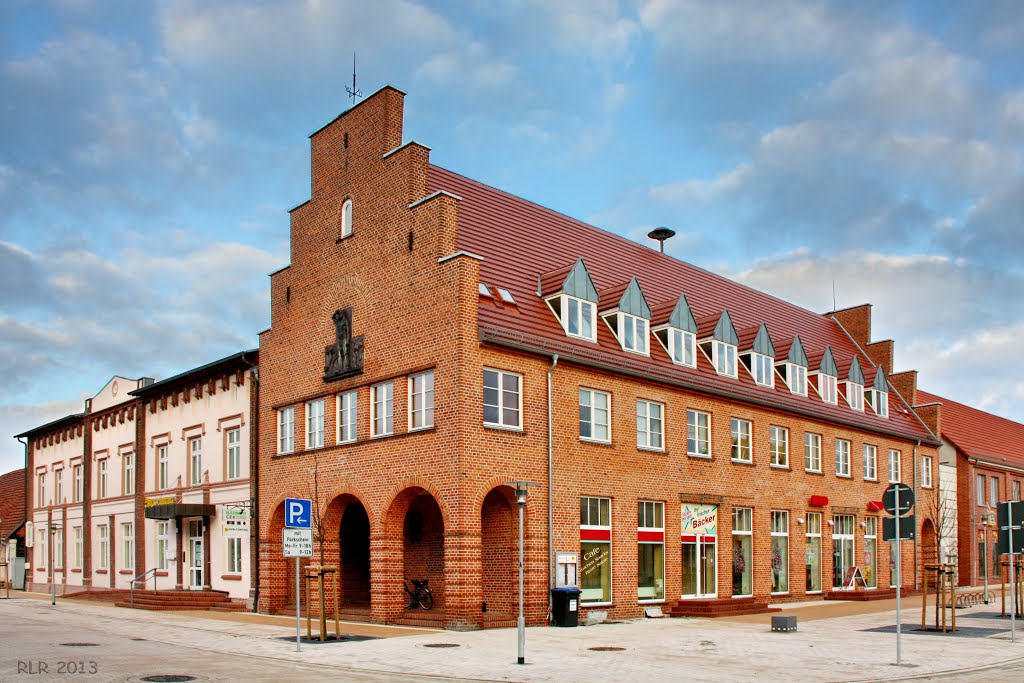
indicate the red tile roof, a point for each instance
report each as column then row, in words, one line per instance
column 12, row 501
column 520, row 241
column 977, row 433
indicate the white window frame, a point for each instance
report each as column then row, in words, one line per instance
column 633, row 334
column 58, row 547
column 723, row 358
column 979, row 485
column 743, row 525
column 604, row 504
column 780, row 529
column 78, row 552
column 41, row 490
column 314, row 424
column 796, row 379
column 778, row 446
column 762, row 369
column 103, row 541
column 58, row 486
column 128, row 545
column 233, row 555
column 421, row 401
column 739, row 429
column 895, row 468
column 855, row 395
column 346, row 218
column 76, row 483
column 828, row 388
column 650, row 429
column 870, row 462
column 681, row 346
column 348, row 416
column 812, row 452
column 382, row 409
column 286, row 430
column 162, row 543
column 879, row 401
column 993, row 491
column 573, row 314
column 652, row 509
column 694, row 430
column 129, row 474
column 101, row 479
column 843, row 458
column 234, row 442
column 501, row 406
column 163, row 472
column 588, row 400
column 926, row 471
column 1016, row 488
column 195, row 460
column 813, row 526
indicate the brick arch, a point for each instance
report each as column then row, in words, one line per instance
column 347, row 529
column 499, row 547
column 351, row 492
column 394, row 498
column 415, row 522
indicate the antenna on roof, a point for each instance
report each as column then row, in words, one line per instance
column 353, row 92
column 661, row 234
column 833, row 295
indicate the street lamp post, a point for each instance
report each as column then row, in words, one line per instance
column 53, row 584
column 521, row 488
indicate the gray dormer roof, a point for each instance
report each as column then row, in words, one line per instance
column 725, row 331
column 828, row 363
column 682, row 316
column 797, row 355
column 633, row 301
column 578, row 283
column 763, row 342
column 855, row 375
column 881, row 384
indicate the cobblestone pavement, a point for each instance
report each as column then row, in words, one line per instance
column 860, row 646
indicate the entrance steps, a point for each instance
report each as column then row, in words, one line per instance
column 863, row 595
column 720, row 607
column 213, row 601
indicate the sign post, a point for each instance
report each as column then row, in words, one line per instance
column 1010, row 541
column 297, row 542
column 897, row 500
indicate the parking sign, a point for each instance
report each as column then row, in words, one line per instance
column 298, row 513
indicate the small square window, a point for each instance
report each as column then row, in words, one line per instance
column 506, row 295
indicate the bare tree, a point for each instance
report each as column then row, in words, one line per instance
column 941, row 509
column 318, row 508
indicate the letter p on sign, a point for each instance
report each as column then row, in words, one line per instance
column 298, row 513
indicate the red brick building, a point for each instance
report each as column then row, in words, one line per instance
column 693, row 440
column 984, row 454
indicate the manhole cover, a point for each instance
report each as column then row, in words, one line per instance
column 80, row 644
column 441, row 645
column 606, row 648
column 168, row 678
column 142, row 639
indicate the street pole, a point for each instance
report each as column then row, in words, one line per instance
column 521, row 499
column 1013, row 574
column 298, row 599
column 984, row 533
column 53, row 586
column 899, row 563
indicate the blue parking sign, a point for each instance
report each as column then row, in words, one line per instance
column 298, row 513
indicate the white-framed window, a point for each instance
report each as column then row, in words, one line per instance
column 827, row 388
column 650, row 425
column 346, row 218
column 842, row 457
column 698, row 433
column 315, row 424
column 382, row 409
column 77, row 552
column 742, row 552
column 162, row 544
column 286, row 430
column 41, row 490
column 894, row 466
column 796, row 379
column 762, row 368
column 870, row 462
column 76, row 483
column 128, row 545
column 650, row 550
column 595, row 415
column 101, row 480
column 633, row 334
column 780, row 551
column 234, row 453
column 234, row 555
column 871, row 552
column 855, row 395
column 723, row 357
column 421, row 400
column 103, row 539
column 742, row 450
column 43, row 544
column 778, row 446
column 1016, row 484
column 58, row 497
column 195, row 461
column 347, row 417
column 129, row 474
column 812, row 452
column 878, row 400
column 578, row 318
column 58, row 547
column 162, row 468
column 980, row 489
column 503, row 400
column 682, row 347
column 595, row 573
column 993, row 491
column 813, row 540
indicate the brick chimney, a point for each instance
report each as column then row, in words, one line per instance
column 857, row 322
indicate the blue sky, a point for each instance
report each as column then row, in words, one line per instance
column 149, row 153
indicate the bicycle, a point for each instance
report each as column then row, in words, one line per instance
column 419, row 595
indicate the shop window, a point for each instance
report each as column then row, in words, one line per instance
column 780, row 551
column 699, row 526
column 813, row 552
column 871, row 552
column 870, row 462
column 595, row 416
column 843, row 558
column 347, row 417
column 778, row 446
column 502, row 399
column 742, row 555
column 382, row 409
column 315, row 424
column 650, row 425
column 595, row 550
column 698, row 433
column 812, row 452
column 421, row 404
column 650, row 550
column 742, row 451
column 162, row 544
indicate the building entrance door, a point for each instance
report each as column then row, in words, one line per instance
column 843, row 558
column 700, row 567
column 195, row 555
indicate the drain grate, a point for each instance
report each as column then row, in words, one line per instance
column 140, row 639
column 168, row 678
column 606, row 648
column 80, row 644
column 441, row 645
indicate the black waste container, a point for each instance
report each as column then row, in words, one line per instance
column 565, row 606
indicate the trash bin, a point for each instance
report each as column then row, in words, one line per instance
column 565, row 604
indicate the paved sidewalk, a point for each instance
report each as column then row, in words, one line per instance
column 853, row 647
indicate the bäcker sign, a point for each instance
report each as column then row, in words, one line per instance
column 699, row 520
column 153, row 502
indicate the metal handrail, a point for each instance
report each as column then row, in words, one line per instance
column 140, row 577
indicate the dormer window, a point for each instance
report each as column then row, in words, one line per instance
column 796, row 378
column 827, row 389
column 573, row 300
column 578, row 318
column 628, row 317
column 346, row 218
column 759, row 359
column 723, row 357
column 679, row 335
column 762, row 370
column 878, row 395
column 721, row 345
column 682, row 347
column 855, row 386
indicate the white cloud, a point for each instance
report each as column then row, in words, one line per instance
column 15, row 419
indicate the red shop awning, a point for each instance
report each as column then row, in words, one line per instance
column 875, row 506
column 818, row 501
